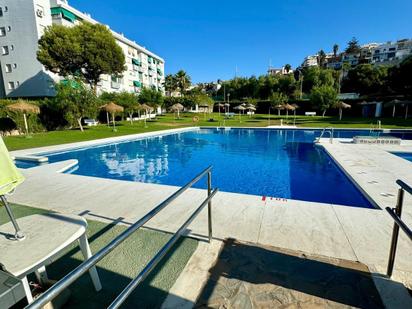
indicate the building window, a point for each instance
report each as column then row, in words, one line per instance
column 14, row 65
column 11, row 47
column 5, row 50
column 8, row 28
column 6, row 9
column 8, row 68
column 12, row 85
column 1, row 12
column 2, row 31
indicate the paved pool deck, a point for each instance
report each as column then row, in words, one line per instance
column 349, row 233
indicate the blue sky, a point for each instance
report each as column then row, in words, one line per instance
column 209, row 39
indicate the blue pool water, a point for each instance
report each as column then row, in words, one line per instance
column 25, row 164
column 273, row 163
column 404, row 155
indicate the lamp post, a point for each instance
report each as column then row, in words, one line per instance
column 228, row 101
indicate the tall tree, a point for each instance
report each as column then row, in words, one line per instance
column 353, row 47
column 101, row 53
column 76, row 101
column 321, row 58
column 151, row 97
column 182, row 81
column 288, row 67
column 85, row 50
column 60, row 50
column 323, row 97
column 170, row 83
column 400, row 77
column 366, row 79
column 335, row 50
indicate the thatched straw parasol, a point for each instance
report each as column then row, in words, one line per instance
column 288, row 108
column 112, row 108
column 146, row 107
column 250, row 107
column 341, row 105
column 279, row 107
column 177, row 108
column 296, row 107
column 147, row 110
column 25, row 108
column 240, row 108
column 397, row 102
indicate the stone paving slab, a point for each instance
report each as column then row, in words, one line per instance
column 375, row 171
column 250, row 276
column 304, row 222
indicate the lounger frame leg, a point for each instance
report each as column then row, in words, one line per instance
column 41, row 275
column 27, row 290
column 85, row 248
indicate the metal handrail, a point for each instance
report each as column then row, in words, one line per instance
column 331, row 133
column 396, row 214
column 67, row 280
column 404, row 186
column 152, row 264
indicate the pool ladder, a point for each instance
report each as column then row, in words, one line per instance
column 375, row 130
column 329, row 130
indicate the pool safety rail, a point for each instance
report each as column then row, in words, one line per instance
column 396, row 214
column 329, row 130
column 67, row 280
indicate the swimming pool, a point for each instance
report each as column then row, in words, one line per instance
column 264, row 162
column 404, row 155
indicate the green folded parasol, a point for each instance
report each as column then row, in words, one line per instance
column 10, row 178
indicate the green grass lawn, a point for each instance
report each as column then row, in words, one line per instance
column 118, row 268
column 169, row 121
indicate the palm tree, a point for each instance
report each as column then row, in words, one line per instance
column 287, row 67
column 335, row 50
column 170, row 83
column 321, row 58
column 182, row 81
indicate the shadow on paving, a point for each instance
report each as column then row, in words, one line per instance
column 249, row 276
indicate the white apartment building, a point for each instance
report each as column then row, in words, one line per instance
column 22, row 23
column 310, row 61
column 279, row 71
column 375, row 53
column 392, row 52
